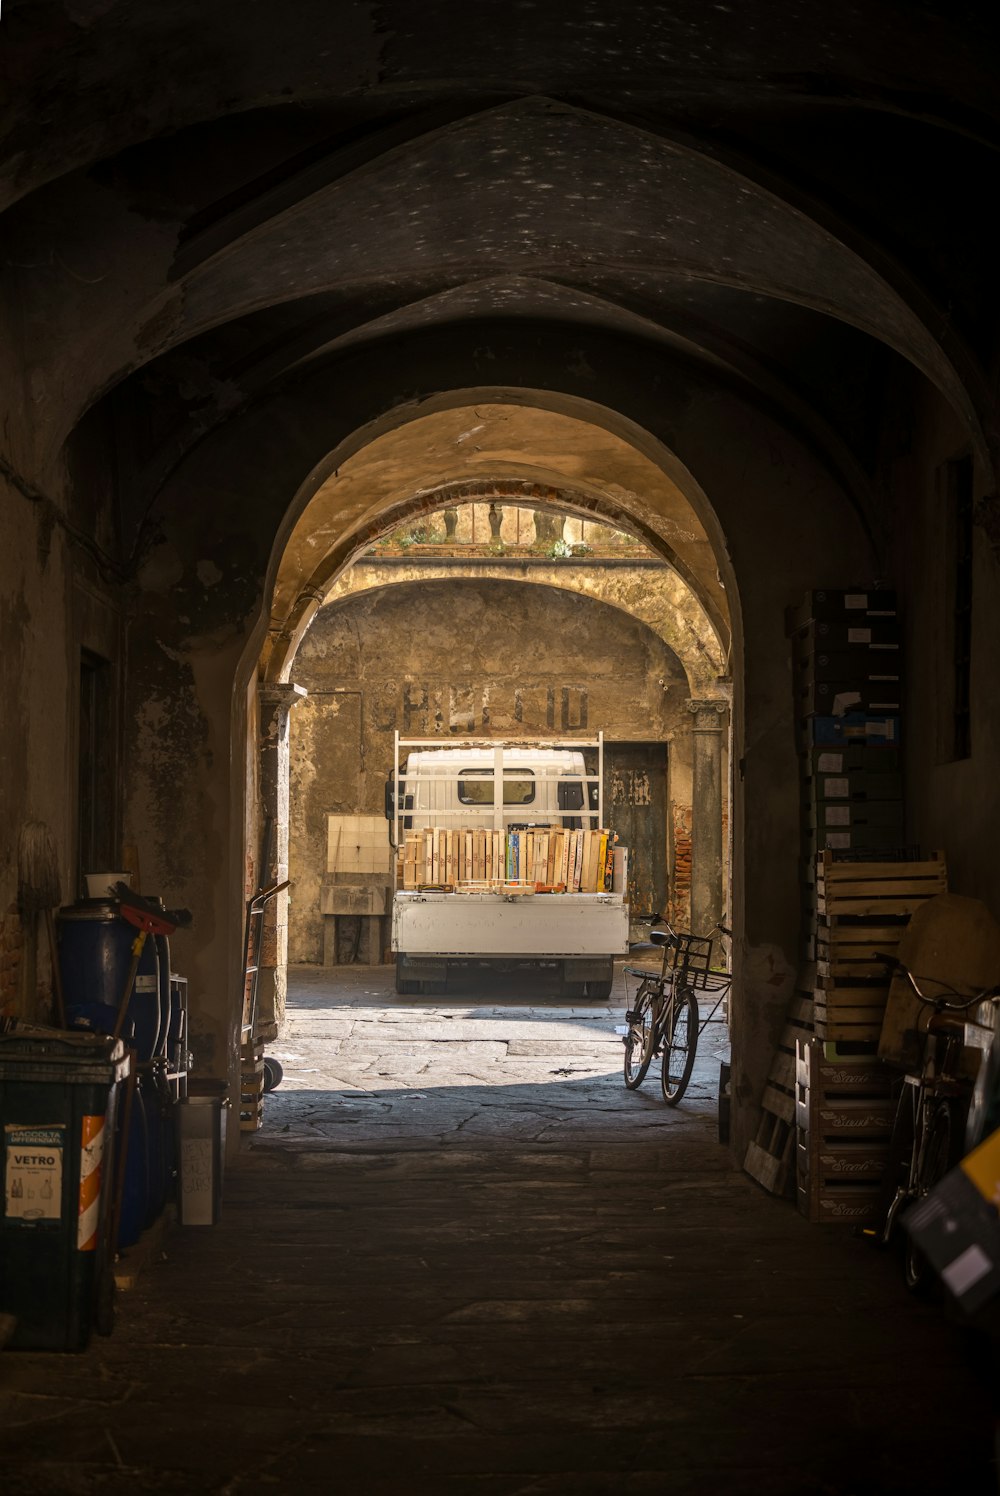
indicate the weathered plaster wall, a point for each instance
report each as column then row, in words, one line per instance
column 649, row 591
column 952, row 804
column 54, row 603
column 447, row 658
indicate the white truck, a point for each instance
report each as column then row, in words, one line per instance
column 525, row 878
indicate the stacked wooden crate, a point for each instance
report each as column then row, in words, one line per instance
column 843, row 1119
column 858, row 913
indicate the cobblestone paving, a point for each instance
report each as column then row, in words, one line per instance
column 505, row 1063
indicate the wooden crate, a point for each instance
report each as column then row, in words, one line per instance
column 844, row 1112
column 853, row 950
column 847, row 1008
column 770, row 1156
column 870, row 890
column 828, row 1194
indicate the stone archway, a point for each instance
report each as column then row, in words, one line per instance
column 533, row 451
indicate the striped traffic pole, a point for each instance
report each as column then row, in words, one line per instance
column 91, row 1170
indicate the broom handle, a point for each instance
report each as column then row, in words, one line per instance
column 137, row 946
column 121, row 1159
column 57, row 986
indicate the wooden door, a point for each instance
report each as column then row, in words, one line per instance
column 635, row 805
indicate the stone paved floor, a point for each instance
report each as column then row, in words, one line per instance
column 460, row 1258
column 487, row 1066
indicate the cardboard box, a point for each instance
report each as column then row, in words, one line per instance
column 834, row 698
column 853, row 727
column 851, row 814
column 858, row 664
column 826, row 637
column 958, row 1229
column 854, row 786
column 837, row 604
column 850, row 758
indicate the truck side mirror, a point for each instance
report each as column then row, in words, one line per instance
column 390, row 800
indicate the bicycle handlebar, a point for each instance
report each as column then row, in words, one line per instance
column 939, row 1002
column 657, row 919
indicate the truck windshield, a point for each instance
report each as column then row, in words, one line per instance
column 475, row 787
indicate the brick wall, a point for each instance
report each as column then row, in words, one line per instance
column 680, row 888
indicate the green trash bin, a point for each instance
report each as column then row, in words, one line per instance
column 58, row 1095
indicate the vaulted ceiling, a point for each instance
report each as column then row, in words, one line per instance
column 207, row 202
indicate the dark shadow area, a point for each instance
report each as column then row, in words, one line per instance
column 482, row 1320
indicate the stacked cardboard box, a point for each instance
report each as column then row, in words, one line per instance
column 846, row 663
column 847, row 677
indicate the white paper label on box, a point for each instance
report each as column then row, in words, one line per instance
column 838, row 815
column 856, row 600
column 33, row 1176
column 859, row 636
column 836, row 789
column 838, row 841
column 845, row 701
column 967, row 1269
column 830, row 763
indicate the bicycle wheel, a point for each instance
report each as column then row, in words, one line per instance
column 680, row 1044
column 895, row 1187
column 639, row 1039
column 941, row 1153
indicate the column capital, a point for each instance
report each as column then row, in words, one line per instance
column 708, row 712
column 278, row 694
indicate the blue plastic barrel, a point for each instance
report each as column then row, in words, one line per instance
column 95, row 954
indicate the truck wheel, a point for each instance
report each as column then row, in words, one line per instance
column 273, row 1072
column 405, row 986
column 600, row 991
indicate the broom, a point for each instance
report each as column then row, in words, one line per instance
column 38, row 892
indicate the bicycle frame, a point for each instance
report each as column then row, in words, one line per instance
column 665, row 1011
column 937, row 1080
column 919, row 1098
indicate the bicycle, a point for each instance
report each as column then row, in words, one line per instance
column 664, row 1018
column 928, row 1130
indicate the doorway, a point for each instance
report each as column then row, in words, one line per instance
column 635, row 787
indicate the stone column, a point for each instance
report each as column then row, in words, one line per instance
column 276, row 702
column 706, row 813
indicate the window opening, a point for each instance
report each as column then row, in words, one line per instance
column 475, row 787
